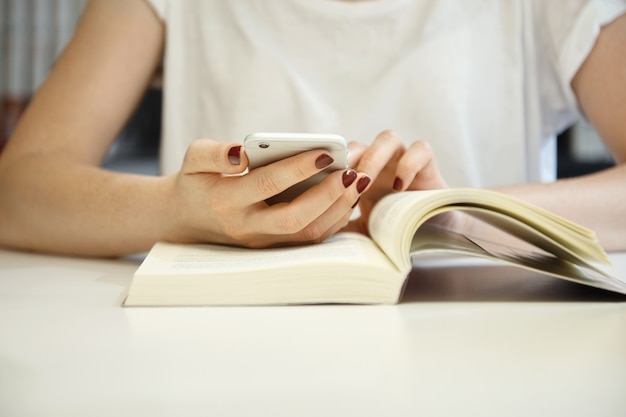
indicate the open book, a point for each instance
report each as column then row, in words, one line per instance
column 353, row 268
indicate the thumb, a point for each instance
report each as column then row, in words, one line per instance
column 209, row 156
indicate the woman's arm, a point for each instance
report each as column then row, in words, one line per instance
column 597, row 201
column 56, row 198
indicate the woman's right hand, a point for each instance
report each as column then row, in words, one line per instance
column 213, row 202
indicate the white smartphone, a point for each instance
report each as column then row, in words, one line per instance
column 265, row 148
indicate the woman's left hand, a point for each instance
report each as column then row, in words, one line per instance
column 392, row 167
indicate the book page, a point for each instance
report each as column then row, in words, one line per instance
column 434, row 239
column 396, row 218
column 344, row 248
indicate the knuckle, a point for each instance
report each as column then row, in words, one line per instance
column 203, row 154
column 299, row 172
column 388, row 135
column 423, row 146
column 356, row 146
column 291, row 223
column 355, row 151
column 332, row 193
column 367, row 160
column 313, row 233
column 386, row 132
column 217, row 159
column 235, row 232
column 267, row 184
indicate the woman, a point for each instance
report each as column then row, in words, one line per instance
column 483, row 85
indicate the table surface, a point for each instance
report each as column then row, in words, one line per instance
column 478, row 340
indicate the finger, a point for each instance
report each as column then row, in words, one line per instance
column 318, row 231
column 385, row 148
column 267, row 181
column 332, row 220
column 417, row 169
column 355, row 151
column 314, row 212
column 338, row 226
column 355, row 226
column 209, row 156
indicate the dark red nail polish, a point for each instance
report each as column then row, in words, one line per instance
column 234, row 155
column 356, row 203
column 348, row 177
column 362, row 184
column 323, row 161
column 397, row 184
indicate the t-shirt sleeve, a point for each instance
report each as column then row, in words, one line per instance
column 570, row 30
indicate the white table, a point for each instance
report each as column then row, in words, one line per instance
column 486, row 341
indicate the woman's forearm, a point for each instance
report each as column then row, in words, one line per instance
column 597, row 201
column 52, row 205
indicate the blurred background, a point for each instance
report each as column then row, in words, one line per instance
column 34, row 32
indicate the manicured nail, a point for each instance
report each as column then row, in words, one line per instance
column 234, row 155
column 362, row 184
column 397, row 184
column 348, row 177
column 323, row 161
column 356, row 203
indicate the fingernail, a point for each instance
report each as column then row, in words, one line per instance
column 397, row 184
column 348, row 177
column 362, row 184
column 234, row 155
column 356, row 203
column 323, row 161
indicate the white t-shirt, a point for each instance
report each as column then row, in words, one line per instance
column 486, row 82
